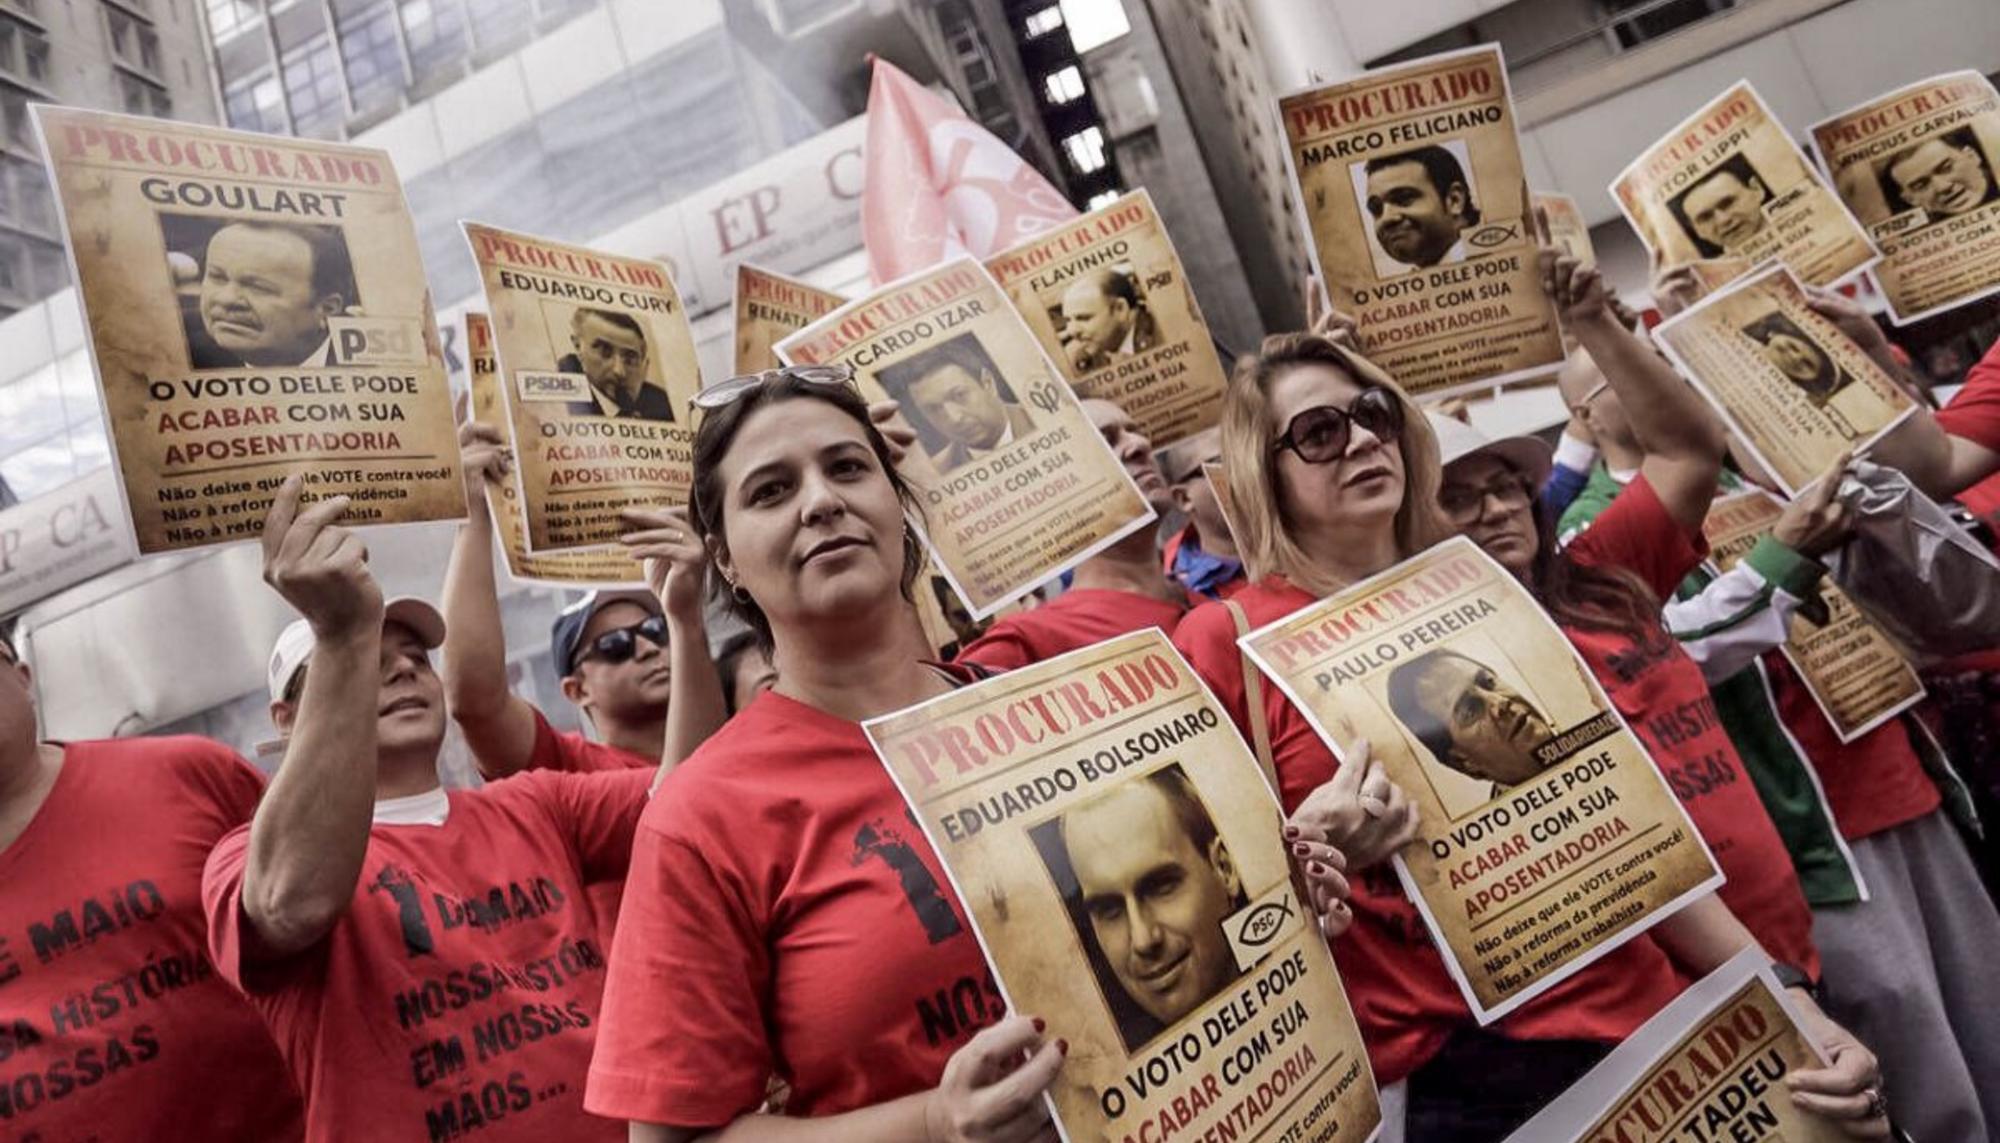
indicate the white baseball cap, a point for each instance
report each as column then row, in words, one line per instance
column 295, row 643
column 1458, row 440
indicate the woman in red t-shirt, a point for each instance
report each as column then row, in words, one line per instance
column 784, row 917
column 1333, row 476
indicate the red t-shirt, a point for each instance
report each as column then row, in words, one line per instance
column 1660, row 691
column 784, row 915
column 1075, row 619
column 113, row 1022
column 1874, row 783
column 568, row 751
column 1974, row 412
column 459, row 995
column 1402, row 994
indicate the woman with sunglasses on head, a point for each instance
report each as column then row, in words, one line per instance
column 1333, row 477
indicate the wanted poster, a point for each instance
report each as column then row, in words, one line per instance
column 1711, row 1066
column 1111, row 303
column 1728, row 182
column 586, row 567
column 1120, row 858
column 1920, row 168
column 257, row 308
column 1711, row 274
column 1015, row 484
column 1568, row 232
column 596, row 368
column 1854, row 673
column 1548, row 836
column 768, row 307
column 1793, row 387
column 1417, row 205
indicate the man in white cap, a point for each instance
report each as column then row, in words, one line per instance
column 636, row 662
column 428, row 962
column 113, row 1024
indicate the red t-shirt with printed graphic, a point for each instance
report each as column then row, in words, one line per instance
column 572, row 753
column 784, row 916
column 1660, row 691
column 1403, row 996
column 1073, row 620
column 113, row 1023
column 459, row 995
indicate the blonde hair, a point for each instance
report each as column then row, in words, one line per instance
column 1263, row 536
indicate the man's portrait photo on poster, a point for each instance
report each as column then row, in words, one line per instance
column 1802, row 360
column 1147, row 882
column 953, row 396
column 1944, row 176
column 1418, row 205
column 1102, row 318
column 258, row 293
column 1724, row 209
column 613, row 351
column 1469, row 717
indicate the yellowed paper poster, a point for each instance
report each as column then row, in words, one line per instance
column 1112, row 305
column 770, row 306
column 1548, row 836
column 584, row 567
column 1568, row 232
column 1710, row 1067
column 597, row 364
column 1064, row 799
column 1729, row 182
column 1855, row 674
column 1792, row 386
column 256, row 308
column 1920, row 168
column 1016, row 485
column 1417, row 206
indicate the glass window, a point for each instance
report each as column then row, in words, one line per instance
column 1094, row 23
column 499, row 23
column 1043, row 22
column 1064, row 86
column 1102, row 198
column 256, row 103
column 312, row 87
column 435, row 31
column 374, row 63
column 1085, row 150
column 226, row 18
column 37, row 57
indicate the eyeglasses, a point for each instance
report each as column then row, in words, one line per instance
column 725, row 393
column 621, row 643
column 1465, row 502
column 1319, row 435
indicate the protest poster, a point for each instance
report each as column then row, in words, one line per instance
column 1796, row 390
column 584, row 567
column 769, row 306
column 1711, row 274
column 1855, row 674
column 1015, row 484
column 1709, row 1066
column 597, row 364
column 1917, row 167
column 1548, row 836
column 1112, row 305
column 1568, row 232
column 1063, row 800
column 1729, row 182
column 256, row 308
column 1417, row 206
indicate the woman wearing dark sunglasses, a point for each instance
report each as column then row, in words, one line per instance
column 1333, row 477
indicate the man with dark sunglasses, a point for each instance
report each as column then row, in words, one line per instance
column 637, row 667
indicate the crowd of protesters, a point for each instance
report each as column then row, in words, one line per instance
column 712, row 918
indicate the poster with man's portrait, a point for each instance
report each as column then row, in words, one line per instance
column 1416, row 201
column 597, row 364
column 1729, row 183
column 770, row 307
column 1109, row 299
column 1920, row 167
column 256, row 308
column 1568, row 232
column 1792, row 387
column 1547, row 837
column 1016, row 486
column 585, row 567
column 1118, row 853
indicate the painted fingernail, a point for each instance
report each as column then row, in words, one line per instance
column 1062, row 1046
column 1291, row 833
column 1302, row 850
column 1316, row 869
column 1039, row 1025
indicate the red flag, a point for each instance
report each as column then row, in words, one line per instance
column 940, row 185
